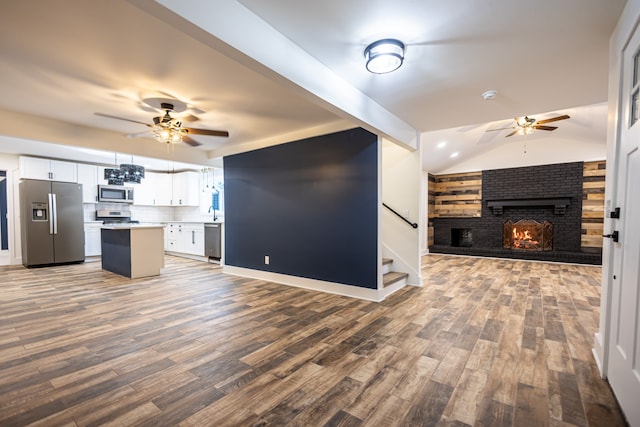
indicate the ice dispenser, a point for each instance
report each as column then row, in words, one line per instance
column 39, row 211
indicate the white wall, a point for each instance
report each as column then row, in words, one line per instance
column 531, row 153
column 582, row 137
column 401, row 188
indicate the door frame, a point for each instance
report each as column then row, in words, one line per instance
column 628, row 23
column 9, row 163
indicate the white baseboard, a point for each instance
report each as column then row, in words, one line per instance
column 598, row 353
column 303, row 282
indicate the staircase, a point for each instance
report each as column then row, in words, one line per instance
column 392, row 280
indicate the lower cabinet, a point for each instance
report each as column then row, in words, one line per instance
column 92, row 239
column 187, row 238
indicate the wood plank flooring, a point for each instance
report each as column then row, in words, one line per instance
column 485, row 342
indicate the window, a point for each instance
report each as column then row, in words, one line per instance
column 635, row 91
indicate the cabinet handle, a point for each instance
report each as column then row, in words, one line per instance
column 193, row 237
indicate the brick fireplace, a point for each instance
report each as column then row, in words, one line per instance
column 544, row 200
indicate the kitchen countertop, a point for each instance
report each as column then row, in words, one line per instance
column 193, row 222
column 126, row 226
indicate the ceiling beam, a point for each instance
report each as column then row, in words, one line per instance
column 229, row 27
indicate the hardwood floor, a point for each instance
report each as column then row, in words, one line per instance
column 485, row 342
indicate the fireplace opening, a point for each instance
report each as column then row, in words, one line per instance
column 528, row 235
column 461, row 237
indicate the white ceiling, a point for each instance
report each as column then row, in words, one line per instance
column 62, row 61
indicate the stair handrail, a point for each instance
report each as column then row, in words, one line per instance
column 413, row 224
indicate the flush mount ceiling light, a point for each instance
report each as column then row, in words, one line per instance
column 490, row 95
column 384, row 56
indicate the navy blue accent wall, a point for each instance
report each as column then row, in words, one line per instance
column 310, row 205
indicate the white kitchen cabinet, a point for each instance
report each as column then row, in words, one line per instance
column 170, row 234
column 101, row 179
column 165, row 189
column 185, row 237
column 88, row 177
column 48, row 169
column 145, row 193
column 153, row 190
column 92, row 239
column 193, row 239
column 162, row 189
column 186, row 189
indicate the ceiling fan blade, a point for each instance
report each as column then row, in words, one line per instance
column 512, row 133
column 138, row 134
column 491, row 130
column 121, row 118
column 208, row 132
column 189, row 118
column 190, row 141
column 546, row 127
column 553, row 119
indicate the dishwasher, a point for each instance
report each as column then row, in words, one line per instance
column 213, row 240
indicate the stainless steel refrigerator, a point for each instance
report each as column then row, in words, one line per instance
column 52, row 222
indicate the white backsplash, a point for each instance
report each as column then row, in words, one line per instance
column 151, row 213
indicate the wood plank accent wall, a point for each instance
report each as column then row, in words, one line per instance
column 593, row 205
column 458, row 195
column 431, row 206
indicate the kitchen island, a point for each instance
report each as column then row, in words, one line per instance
column 133, row 250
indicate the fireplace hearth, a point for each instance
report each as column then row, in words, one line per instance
column 527, row 235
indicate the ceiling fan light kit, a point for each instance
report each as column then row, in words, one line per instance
column 527, row 125
column 384, row 56
column 169, row 130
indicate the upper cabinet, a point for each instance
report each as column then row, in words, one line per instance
column 144, row 193
column 186, row 189
column 164, row 189
column 88, row 177
column 47, row 169
column 101, row 179
column 155, row 189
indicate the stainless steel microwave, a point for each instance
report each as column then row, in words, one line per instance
column 115, row 194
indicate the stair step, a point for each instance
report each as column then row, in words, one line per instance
column 386, row 261
column 392, row 277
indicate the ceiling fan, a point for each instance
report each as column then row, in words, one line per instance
column 170, row 130
column 526, row 125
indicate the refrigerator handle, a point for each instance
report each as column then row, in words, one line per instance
column 54, row 213
column 50, row 197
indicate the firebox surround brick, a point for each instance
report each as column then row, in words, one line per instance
column 554, row 181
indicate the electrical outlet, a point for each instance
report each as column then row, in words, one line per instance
column 266, row 259
column 405, row 213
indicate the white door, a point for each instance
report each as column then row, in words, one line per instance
column 624, row 333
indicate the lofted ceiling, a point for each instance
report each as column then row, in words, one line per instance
column 62, row 61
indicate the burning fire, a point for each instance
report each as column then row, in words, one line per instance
column 527, row 235
column 522, row 238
